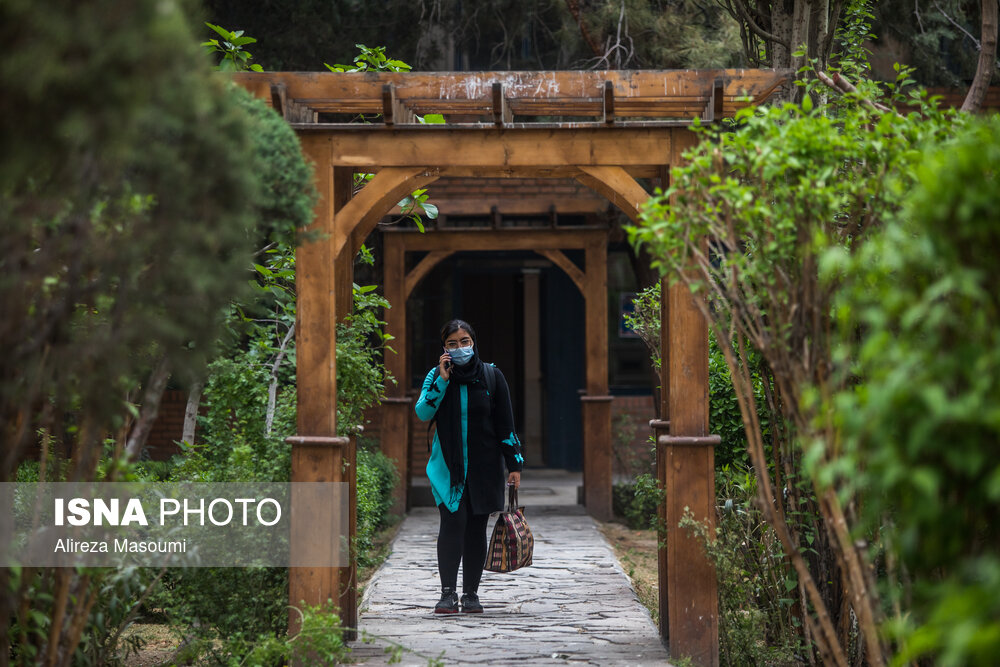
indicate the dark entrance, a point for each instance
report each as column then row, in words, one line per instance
column 529, row 319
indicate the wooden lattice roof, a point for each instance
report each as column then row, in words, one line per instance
column 644, row 98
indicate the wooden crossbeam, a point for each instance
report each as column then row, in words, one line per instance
column 499, row 96
column 511, row 149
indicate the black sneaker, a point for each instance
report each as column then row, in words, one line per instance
column 448, row 603
column 470, row 604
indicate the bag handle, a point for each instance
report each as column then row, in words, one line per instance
column 511, row 498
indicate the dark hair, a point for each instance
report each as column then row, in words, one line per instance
column 452, row 326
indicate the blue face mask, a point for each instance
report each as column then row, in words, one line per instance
column 462, row 355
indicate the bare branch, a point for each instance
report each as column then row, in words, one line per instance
column 272, row 390
column 959, row 25
column 155, row 387
column 191, row 412
column 745, row 15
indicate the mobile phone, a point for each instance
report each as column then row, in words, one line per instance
column 447, row 365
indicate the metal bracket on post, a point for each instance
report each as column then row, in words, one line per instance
column 318, row 440
column 689, row 440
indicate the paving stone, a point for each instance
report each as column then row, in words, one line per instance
column 573, row 605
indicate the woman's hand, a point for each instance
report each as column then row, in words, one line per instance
column 515, row 479
column 444, row 362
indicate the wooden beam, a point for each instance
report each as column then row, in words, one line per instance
column 502, row 239
column 384, row 190
column 394, row 434
column 692, row 593
column 596, row 403
column 420, row 271
column 529, row 171
column 445, row 145
column 609, row 102
column 559, row 258
column 329, row 91
column 290, row 109
column 343, row 181
column 618, row 186
column 511, row 205
column 316, row 369
column 394, row 111
column 388, row 104
column 714, row 107
column 501, row 110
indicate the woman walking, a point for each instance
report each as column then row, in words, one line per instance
column 475, row 439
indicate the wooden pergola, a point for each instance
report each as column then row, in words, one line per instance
column 608, row 131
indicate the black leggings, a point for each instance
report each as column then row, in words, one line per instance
column 462, row 537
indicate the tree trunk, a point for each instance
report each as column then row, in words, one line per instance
column 191, row 412
column 987, row 58
column 155, row 387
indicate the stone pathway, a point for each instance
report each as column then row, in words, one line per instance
column 574, row 605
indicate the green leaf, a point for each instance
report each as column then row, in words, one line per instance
column 222, row 31
column 431, row 210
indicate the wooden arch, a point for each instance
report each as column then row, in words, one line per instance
column 604, row 129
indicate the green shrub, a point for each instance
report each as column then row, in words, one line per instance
column 921, row 327
column 377, row 477
column 637, row 501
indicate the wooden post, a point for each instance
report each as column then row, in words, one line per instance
column 662, row 427
column 596, row 404
column 692, row 593
column 317, row 455
column 395, row 436
column 343, row 188
column 316, row 459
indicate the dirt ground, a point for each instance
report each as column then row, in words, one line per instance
column 159, row 644
column 636, row 551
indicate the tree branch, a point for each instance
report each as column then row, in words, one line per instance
column 574, row 9
column 745, row 15
column 272, row 389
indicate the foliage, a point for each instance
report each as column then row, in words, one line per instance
column 377, row 477
column 922, row 294
column 115, row 255
column 233, row 445
column 724, row 411
column 772, row 195
column 371, row 60
column 361, row 375
column 234, row 57
column 637, row 501
column 758, row 624
column 937, row 38
column 116, row 593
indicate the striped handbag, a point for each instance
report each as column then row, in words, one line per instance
column 512, row 544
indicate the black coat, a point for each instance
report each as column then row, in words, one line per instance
column 492, row 442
